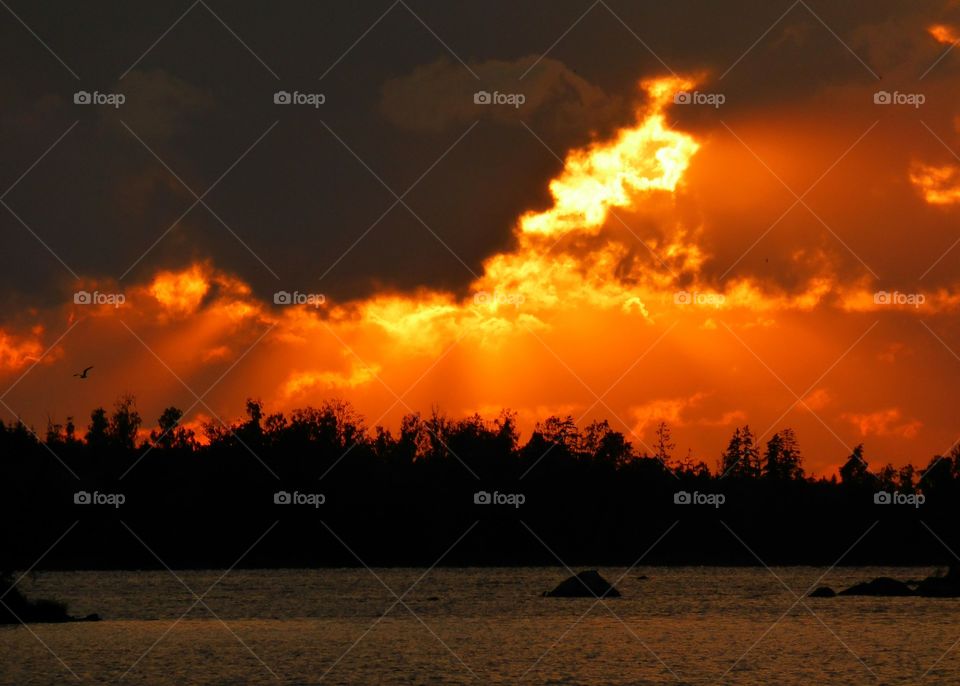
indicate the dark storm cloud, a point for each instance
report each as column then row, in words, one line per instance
column 541, row 93
column 159, row 104
column 296, row 203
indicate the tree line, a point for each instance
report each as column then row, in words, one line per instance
column 336, row 425
column 403, row 496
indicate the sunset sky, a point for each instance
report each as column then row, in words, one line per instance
column 710, row 216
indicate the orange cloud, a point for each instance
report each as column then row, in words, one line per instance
column 669, row 410
column 940, row 185
column 299, row 383
column 817, row 399
column 728, row 418
column 884, row 423
column 181, row 292
column 17, row 352
column 943, row 33
column 676, row 411
column 607, row 175
column 220, row 352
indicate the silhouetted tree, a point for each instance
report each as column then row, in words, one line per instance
column 414, row 441
column 70, row 432
column 906, row 478
column 887, row 477
column 855, row 470
column 170, row 434
column 781, row 459
column 508, row 435
column 741, row 458
column 750, row 453
column 251, row 431
column 55, row 435
column 438, row 428
column 940, row 476
column 98, row 430
column 561, row 432
column 349, row 424
column 602, row 445
column 791, row 455
column 730, row 458
column 124, row 423
column 664, row 445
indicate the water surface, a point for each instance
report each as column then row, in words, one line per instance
column 487, row 626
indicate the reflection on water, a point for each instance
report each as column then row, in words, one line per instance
column 462, row 626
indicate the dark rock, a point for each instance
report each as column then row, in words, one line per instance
column 822, row 592
column 941, row 585
column 17, row 608
column 881, row 586
column 588, row 584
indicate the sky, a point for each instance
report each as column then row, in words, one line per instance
column 700, row 214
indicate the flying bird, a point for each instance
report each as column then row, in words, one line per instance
column 83, row 375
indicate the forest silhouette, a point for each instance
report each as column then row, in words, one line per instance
column 339, row 493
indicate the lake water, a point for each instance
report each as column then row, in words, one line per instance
column 486, row 626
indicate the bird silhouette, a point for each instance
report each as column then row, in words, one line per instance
column 83, row 375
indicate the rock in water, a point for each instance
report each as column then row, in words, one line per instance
column 941, row 586
column 881, row 586
column 16, row 608
column 823, row 592
column 588, row 584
